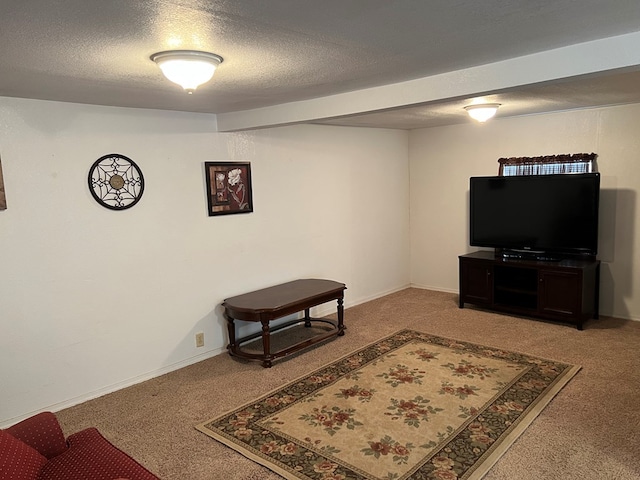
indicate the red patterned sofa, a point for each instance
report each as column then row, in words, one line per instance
column 35, row 449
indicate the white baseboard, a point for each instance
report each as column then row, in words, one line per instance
column 435, row 289
column 379, row 295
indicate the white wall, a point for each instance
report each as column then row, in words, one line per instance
column 92, row 300
column 442, row 160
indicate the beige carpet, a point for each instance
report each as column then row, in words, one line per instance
column 590, row 431
column 411, row 405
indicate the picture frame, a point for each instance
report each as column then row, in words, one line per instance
column 228, row 188
column 3, row 197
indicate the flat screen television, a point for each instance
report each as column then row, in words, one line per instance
column 543, row 216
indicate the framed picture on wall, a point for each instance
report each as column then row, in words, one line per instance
column 228, row 187
column 3, row 198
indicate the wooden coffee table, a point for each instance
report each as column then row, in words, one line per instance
column 279, row 301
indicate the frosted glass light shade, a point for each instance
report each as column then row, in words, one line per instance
column 482, row 112
column 187, row 68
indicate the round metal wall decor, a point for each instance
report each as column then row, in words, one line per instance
column 116, row 182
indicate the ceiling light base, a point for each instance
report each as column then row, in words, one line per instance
column 187, row 68
column 482, row 111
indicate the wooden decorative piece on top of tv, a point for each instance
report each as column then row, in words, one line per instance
column 228, row 187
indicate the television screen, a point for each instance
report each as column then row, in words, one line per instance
column 543, row 213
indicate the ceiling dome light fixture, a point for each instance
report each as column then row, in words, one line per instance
column 482, row 111
column 187, row 68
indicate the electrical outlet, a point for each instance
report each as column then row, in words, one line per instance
column 200, row 339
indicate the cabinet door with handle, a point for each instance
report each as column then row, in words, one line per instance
column 476, row 282
column 560, row 293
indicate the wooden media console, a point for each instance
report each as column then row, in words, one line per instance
column 566, row 290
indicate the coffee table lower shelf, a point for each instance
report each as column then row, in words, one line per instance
column 266, row 359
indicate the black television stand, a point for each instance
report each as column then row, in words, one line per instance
column 566, row 290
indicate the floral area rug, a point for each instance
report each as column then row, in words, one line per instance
column 410, row 406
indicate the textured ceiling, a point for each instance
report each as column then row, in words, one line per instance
column 282, row 51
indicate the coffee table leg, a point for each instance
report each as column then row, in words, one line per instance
column 307, row 318
column 266, row 343
column 341, row 326
column 231, row 328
